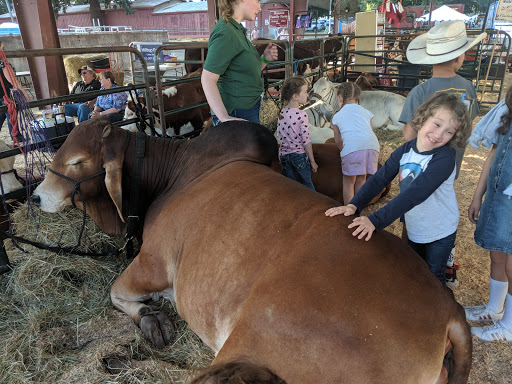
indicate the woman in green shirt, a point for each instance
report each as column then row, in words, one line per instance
column 231, row 76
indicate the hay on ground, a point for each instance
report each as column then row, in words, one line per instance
column 58, row 324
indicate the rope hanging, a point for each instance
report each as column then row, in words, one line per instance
column 9, row 102
column 32, row 131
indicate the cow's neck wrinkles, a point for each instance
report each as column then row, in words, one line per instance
column 158, row 169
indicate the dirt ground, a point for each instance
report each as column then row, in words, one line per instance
column 81, row 353
column 492, row 362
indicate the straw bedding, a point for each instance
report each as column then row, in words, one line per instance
column 57, row 323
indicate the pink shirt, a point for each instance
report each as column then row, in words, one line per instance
column 293, row 131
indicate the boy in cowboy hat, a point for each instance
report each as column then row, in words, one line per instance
column 443, row 47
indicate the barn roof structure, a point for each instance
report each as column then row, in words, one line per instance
column 192, row 6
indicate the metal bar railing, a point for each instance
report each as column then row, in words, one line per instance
column 77, row 97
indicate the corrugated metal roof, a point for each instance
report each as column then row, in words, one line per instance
column 147, row 3
column 192, row 6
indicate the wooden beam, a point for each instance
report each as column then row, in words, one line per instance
column 213, row 14
column 39, row 31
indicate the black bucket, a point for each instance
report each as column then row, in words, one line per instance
column 102, row 63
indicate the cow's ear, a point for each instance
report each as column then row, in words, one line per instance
column 113, row 156
column 107, row 130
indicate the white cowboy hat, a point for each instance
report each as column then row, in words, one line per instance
column 442, row 43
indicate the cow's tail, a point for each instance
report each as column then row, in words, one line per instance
column 458, row 358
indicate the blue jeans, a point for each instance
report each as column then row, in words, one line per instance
column 3, row 117
column 436, row 254
column 117, row 116
column 251, row 114
column 78, row 109
column 299, row 163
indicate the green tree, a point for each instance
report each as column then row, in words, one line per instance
column 94, row 7
column 3, row 7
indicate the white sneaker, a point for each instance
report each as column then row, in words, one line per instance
column 482, row 313
column 495, row 332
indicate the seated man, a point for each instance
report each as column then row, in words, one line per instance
column 88, row 83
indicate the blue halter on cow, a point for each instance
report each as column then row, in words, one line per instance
column 255, row 267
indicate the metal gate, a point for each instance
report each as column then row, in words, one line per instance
column 37, row 145
column 484, row 65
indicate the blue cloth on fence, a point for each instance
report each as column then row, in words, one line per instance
column 486, row 130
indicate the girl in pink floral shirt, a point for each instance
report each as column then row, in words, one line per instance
column 296, row 151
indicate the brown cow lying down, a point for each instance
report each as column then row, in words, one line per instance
column 328, row 180
column 255, row 266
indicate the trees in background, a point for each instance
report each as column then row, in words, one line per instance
column 94, row 7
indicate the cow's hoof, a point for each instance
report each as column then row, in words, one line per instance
column 156, row 327
column 167, row 327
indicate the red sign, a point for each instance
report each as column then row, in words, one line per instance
column 278, row 18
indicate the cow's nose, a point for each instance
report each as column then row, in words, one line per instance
column 36, row 200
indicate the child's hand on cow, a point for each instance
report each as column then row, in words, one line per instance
column 364, row 227
column 314, row 166
column 347, row 210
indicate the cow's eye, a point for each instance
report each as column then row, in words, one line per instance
column 76, row 163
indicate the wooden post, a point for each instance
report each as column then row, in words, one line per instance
column 366, row 25
column 39, row 31
column 296, row 6
column 213, row 14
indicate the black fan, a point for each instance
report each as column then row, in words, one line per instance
column 410, row 16
column 343, row 9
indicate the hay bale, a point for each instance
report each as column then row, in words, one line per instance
column 73, row 62
column 119, row 77
column 268, row 114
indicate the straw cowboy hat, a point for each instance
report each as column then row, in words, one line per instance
column 444, row 42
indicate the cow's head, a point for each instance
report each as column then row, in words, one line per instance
column 92, row 156
column 366, row 81
column 323, row 87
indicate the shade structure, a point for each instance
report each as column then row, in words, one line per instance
column 444, row 13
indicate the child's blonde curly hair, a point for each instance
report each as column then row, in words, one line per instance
column 452, row 103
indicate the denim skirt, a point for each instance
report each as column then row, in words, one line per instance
column 494, row 227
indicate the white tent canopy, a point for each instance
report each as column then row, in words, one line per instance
column 9, row 25
column 444, row 13
column 9, row 28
